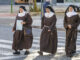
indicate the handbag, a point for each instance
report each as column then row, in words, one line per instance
column 27, row 31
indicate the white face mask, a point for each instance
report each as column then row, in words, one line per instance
column 22, row 14
column 48, row 15
column 70, row 14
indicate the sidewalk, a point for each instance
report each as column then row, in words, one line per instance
column 58, row 56
column 36, row 20
column 5, row 13
column 7, row 8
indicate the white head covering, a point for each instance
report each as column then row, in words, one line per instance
column 48, row 15
column 70, row 14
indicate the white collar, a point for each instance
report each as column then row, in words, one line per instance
column 70, row 14
column 48, row 15
column 21, row 14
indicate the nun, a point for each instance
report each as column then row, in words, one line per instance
column 23, row 37
column 48, row 39
column 71, row 22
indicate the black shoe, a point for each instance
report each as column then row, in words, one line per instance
column 53, row 53
column 41, row 53
column 27, row 53
column 16, row 52
column 73, row 52
column 70, row 55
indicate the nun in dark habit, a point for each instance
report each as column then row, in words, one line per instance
column 22, row 39
column 48, row 39
column 71, row 22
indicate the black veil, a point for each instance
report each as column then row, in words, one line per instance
column 50, row 8
column 23, row 7
column 75, row 8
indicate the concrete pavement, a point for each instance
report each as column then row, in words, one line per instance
column 10, row 18
column 7, row 8
column 5, row 14
column 6, row 43
column 6, row 39
column 6, row 24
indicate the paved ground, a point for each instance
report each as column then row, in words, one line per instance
column 10, row 19
column 6, row 2
column 6, row 39
column 6, row 43
column 7, row 9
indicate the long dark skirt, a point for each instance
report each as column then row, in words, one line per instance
column 21, row 41
column 48, row 41
column 71, row 37
column 18, row 39
column 28, row 40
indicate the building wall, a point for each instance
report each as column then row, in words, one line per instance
column 3, row 2
column 71, row 0
column 65, row 2
column 8, row 2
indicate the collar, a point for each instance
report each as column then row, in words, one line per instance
column 70, row 14
column 21, row 14
column 48, row 15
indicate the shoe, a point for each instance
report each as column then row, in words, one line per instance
column 27, row 53
column 53, row 54
column 16, row 53
column 41, row 53
column 73, row 52
column 70, row 55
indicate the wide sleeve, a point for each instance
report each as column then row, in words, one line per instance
column 42, row 22
column 76, row 23
column 65, row 23
column 53, row 22
column 14, row 27
column 28, row 20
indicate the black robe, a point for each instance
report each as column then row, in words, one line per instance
column 48, row 40
column 21, row 40
column 71, row 34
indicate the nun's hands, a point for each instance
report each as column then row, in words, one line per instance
column 69, row 26
column 49, row 30
column 23, row 23
column 13, row 30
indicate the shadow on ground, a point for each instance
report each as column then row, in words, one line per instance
column 51, row 57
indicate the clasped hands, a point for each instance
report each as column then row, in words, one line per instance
column 69, row 26
column 23, row 23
